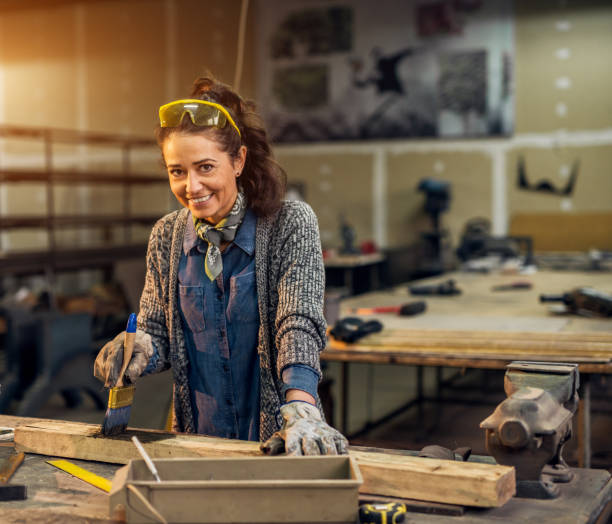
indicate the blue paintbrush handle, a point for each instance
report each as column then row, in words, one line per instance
column 128, row 346
column 131, row 324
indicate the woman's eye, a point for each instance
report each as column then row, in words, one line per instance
column 206, row 168
column 175, row 172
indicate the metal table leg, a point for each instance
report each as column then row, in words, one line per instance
column 420, row 395
column 584, row 423
column 344, row 378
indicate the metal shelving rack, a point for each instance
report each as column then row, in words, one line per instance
column 54, row 259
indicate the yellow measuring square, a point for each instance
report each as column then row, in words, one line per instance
column 83, row 474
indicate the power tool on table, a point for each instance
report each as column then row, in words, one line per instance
column 530, row 427
column 583, row 301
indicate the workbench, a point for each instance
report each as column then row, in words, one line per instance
column 484, row 329
column 56, row 497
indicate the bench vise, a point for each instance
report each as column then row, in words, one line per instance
column 529, row 428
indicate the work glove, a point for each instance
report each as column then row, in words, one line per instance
column 110, row 359
column 304, row 432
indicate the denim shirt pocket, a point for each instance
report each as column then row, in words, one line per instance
column 242, row 304
column 192, row 307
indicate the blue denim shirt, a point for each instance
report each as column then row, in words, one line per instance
column 221, row 323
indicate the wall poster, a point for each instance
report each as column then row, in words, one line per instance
column 379, row 69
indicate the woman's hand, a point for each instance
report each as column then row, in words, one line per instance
column 110, row 358
column 305, row 433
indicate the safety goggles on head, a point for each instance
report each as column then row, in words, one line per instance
column 202, row 113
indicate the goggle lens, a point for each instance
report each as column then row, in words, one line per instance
column 201, row 112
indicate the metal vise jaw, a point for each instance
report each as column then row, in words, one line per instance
column 529, row 428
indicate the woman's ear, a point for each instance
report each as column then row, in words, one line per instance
column 240, row 160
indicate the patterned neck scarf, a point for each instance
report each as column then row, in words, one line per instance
column 224, row 231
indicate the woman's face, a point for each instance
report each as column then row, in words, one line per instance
column 202, row 177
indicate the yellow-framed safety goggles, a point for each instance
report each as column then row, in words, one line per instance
column 201, row 112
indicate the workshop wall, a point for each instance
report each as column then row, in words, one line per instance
column 563, row 81
column 563, row 78
column 563, row 115
column 107, row 65
column 335, row 186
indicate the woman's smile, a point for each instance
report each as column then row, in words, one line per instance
column 200, row 200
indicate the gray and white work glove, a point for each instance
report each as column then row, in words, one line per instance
column 304, row 432
column 110, row 358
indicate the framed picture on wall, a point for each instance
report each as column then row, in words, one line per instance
column 358, row 69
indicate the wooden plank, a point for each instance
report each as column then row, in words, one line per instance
column 451, row 482
column 604, row 337
column 464, row 483
column 593, row 351
column 453, row 360
column 599, row 343
column 83, row 441
column 535, row 354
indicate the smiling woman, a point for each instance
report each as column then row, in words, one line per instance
column 226, row 304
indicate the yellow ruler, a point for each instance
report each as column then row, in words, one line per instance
column 83, row 474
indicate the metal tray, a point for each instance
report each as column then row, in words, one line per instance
column 238, row 490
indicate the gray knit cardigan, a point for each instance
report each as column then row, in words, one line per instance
column 290, row 285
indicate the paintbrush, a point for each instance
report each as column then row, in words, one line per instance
column 120, row 397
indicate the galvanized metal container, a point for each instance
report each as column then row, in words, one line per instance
column 239, row 490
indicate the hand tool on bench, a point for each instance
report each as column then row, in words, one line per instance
column 583, row 301
column 447, row 288
column 11, row 491
column 408, row 309
column 120, row 397
column 519, row 284
column 82, row 474
column 351, row 329
column 530, row 427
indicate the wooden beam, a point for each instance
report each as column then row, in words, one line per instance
column 464, row 483
column 83, row 441
column 451, row 482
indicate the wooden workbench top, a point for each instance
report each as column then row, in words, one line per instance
column 56, row 497
column 482, row 327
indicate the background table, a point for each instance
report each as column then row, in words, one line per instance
column 484, row 329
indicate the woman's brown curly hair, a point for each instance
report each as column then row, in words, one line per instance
column 263, row 180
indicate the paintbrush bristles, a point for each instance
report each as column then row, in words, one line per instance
column 116, row 420
column 118, row 412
